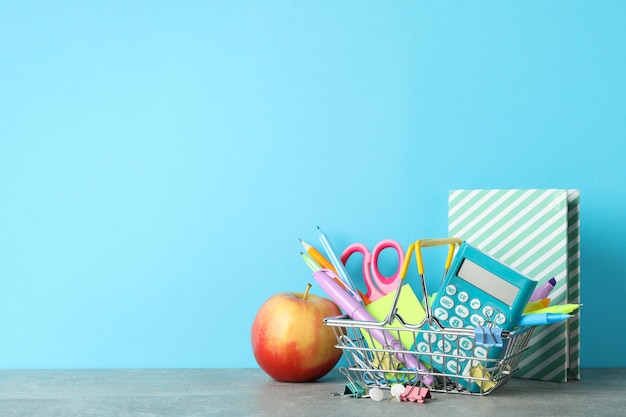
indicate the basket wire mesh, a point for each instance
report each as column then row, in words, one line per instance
column 442, row 351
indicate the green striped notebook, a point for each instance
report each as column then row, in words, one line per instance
column 535, row 232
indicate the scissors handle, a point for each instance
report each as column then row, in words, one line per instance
column 384, row 283
column 373, row 293
column 378, row 285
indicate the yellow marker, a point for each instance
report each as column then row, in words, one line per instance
column 559, row 309
column 536, row 305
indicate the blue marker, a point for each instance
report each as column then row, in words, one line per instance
column 541, row 319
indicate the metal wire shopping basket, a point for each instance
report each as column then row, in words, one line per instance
column 443, row 362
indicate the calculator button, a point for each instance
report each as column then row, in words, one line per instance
column 451, row 337
column 477, row 320
column 456, row 322
column 466, row 343
column 463, row 296
column 451, row 289
column 462, row 311
column 480, row 352
column 475, row 304
column 423, row 347
column 447, row 302
column 453, row 366
column 488, row 311
column 461, row 354
column 430, row 337
column 441, row 313
column 468, row 368
column 500, row 319
column 444, row 346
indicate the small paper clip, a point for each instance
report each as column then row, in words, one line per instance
column 415, row 394
column 488, row 336
column 354, row 388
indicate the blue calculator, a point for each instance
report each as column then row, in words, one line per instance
column 477, row 292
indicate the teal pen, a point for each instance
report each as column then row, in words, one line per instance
column 541, row 319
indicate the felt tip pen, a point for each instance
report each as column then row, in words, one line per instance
column 357, row 311
column 310, row 262
column 559, row 309
column 544, row 290
column 541, row 319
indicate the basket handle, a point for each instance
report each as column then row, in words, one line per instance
column 452, row 242
column 423, row 243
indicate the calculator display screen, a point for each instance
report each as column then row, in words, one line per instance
column 488, row 282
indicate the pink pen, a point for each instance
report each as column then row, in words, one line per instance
column 357, row 311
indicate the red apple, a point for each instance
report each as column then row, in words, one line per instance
column 289, row 339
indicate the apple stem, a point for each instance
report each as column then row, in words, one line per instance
column 308, row 287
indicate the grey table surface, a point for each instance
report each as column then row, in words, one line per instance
column 250, row 392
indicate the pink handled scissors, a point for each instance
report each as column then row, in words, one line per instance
column 378, row 285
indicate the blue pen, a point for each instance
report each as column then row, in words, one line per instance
column 341, row 269
column 541, row 319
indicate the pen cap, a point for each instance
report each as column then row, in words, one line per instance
column 544, row 290
column 324, row 277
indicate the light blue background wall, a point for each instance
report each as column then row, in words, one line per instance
column 159, row 160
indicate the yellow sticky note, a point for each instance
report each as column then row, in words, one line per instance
column 479, row 372
column 409, row 308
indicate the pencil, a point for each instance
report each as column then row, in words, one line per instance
column 317, row 256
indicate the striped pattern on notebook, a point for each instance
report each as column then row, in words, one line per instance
column 573, row 267
column 527, row 230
